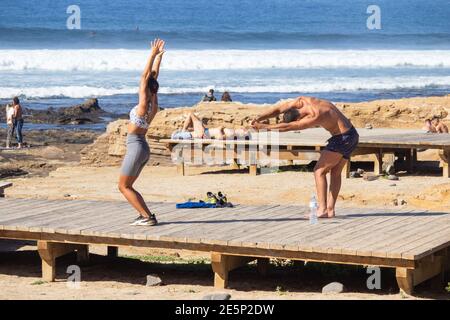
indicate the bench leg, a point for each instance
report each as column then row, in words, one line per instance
column 253, row 170
column 263, row 266
column 427, row 268
column 378, row 163
column 445, row 159
column 113, row 252
column 222, row 264
column 405, row 280
column 83, row 254
column 49, row 251
column 180, row 168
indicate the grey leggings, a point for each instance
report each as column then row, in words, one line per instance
column 137, row 156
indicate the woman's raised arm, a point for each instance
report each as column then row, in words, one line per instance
column 147, row 73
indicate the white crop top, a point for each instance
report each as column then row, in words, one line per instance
column 141, row 122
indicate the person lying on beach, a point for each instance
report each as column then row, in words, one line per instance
column 310, row 112
column 138, row 151
column 439, row 126
column 193, row 128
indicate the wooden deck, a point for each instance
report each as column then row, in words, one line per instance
column 306, row 145
column 416, row 243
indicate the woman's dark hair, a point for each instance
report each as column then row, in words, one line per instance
column 16, row 100
column 153, row 84
column 226, row 97
column 290, row 115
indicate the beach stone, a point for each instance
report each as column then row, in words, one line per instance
column 333, row 287
column 217, row 296
column 395, row 202
column 153, row 280
column 393, row 185
column 368, row 126
column 392, row 177
column 369, row 176
column 360, row 171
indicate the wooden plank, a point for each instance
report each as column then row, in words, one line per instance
column 203, row 228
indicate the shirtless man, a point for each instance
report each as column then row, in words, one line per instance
column 309, row 112
column 439, row 126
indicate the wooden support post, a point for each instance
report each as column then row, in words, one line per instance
column 253, row 170
column 222, row 264
column 113, row 252
column 445, row 159
column 83, row 254
column 426, row 268
column 405, row 280
column 346, row 171
column 263, row 266
column 180, row 168
column 49, row 251
column 378, row 163
column 411, row 158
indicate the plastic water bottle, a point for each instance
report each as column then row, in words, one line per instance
column 313, row 209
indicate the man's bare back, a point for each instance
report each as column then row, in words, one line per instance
column 328, row 115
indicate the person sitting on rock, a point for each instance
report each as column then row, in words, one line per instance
column 439, row 125
column 209, row 97
column 226, row 97
column 194, row 128
column 428, row 126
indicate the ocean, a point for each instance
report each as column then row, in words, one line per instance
column 258, row 50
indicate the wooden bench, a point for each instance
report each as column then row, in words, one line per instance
column 3, row 186
column 308, row 147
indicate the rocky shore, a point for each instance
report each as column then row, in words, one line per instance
column 88, row 112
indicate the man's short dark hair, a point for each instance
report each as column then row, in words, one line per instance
column 16, row 100
column 290, row 115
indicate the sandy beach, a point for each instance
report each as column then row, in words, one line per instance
column 85, row 165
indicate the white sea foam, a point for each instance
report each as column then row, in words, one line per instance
column 180, row 60
column 302, row 85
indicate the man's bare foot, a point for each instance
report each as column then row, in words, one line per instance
column 331, row 213
column 322, row 213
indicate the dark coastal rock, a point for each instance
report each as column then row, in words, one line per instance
column 85, row 113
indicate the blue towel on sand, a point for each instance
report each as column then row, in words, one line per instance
column 195, row 205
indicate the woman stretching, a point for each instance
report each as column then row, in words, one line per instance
column 138, row 151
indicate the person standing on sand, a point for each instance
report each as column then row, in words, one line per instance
column 10, row 124
column 18, row 121
column 309, row 112
column 138, row 151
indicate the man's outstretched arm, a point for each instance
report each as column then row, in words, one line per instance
column 305, row 123
column 276, row 110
